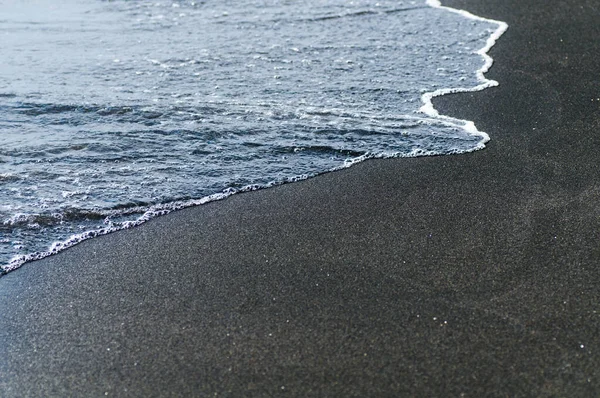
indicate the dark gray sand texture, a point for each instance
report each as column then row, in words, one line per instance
column 474, row 274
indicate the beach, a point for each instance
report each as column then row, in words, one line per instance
column 466, row 275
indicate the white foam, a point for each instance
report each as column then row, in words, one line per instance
column 466, row 125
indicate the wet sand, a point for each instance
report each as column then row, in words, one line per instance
column 474, row 274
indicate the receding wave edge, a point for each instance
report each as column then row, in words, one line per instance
column 427, row 108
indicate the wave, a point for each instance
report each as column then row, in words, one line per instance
column 130, row 214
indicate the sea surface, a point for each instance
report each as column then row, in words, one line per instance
column 113, row 112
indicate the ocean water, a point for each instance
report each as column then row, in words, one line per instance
column 113, row 112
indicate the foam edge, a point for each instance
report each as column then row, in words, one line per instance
column 426, row 98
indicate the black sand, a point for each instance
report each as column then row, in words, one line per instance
column 474, row 274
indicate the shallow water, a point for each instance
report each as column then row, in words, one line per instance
column 114, row 111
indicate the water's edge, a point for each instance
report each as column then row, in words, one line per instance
column 427, row 108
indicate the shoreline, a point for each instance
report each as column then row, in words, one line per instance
column 469, row 274
column 427, row 108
